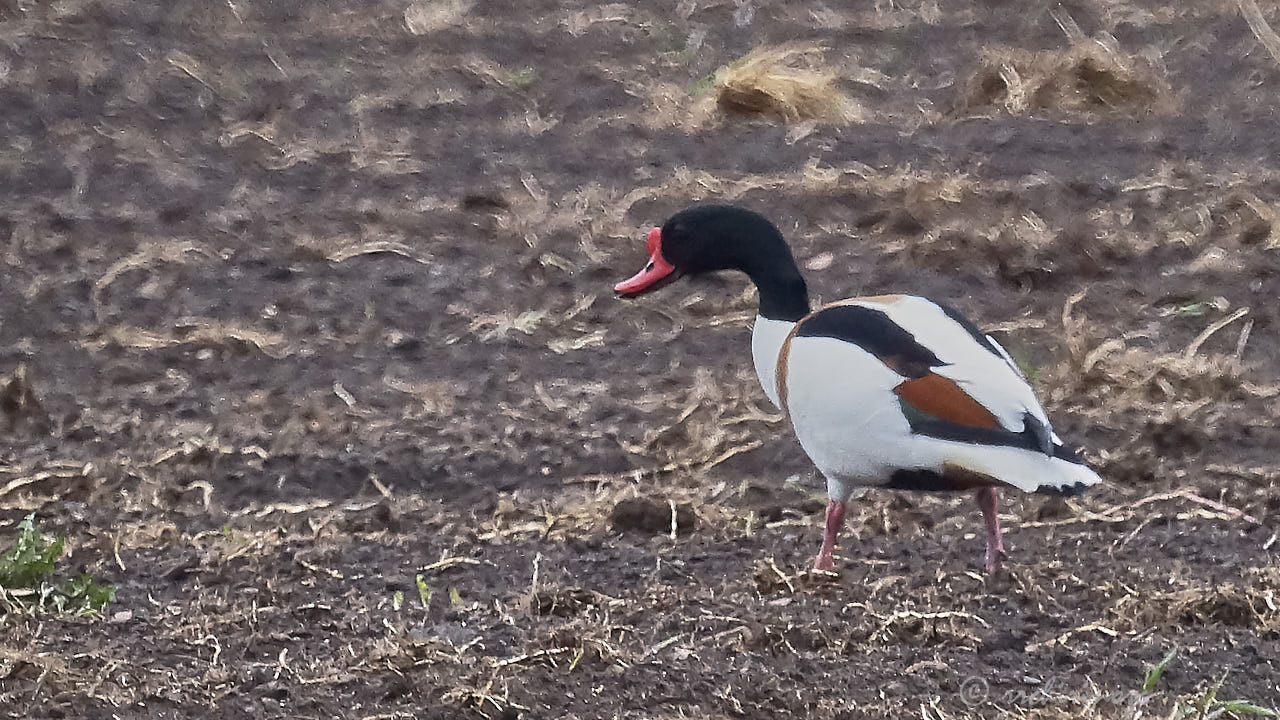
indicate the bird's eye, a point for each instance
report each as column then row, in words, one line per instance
column 648, row 267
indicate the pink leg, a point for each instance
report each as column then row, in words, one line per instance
column 995, row 545
column 835, row 520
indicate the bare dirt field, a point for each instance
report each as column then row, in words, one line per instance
column 327, row 379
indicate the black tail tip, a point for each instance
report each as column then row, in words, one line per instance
column 1073, row 490
column 1070, row 453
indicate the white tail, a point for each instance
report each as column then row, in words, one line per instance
column 1026, row 470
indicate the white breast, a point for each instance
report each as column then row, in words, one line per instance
column 767, row 337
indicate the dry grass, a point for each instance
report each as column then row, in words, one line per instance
column 337, row 251
column 145, row 258
column 787, row 83
column 425, row 17
column 1088, row 77
column 1129, row 372
column 1231, row 605
column 205, row 333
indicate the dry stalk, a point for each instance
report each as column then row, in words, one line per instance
column 1261, row 29
column 1062, row 639
column 1122, row 513
column 912, row 615
column 446, row 563
column 374, row 247
column 547, row 653
column 199, row 331
column 144, row 257
column 1243, row 340
column 641, row 473
column 1200, row 339
column 786, row 580
column 24, row 481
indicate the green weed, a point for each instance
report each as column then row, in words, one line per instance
column 1029, row 369
column 26, row 577
column 1155, row 672
column 424, row 592
column 704, row 85
column 1206, row 706
column 521, row 80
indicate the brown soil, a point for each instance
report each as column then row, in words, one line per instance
column 314, row 299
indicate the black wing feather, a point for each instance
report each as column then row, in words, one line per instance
column 873, row 331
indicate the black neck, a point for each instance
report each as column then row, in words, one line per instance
column 783, row 295
column 707, row 238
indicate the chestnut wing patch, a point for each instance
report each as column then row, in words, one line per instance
column 936, row 406
column 942, row 398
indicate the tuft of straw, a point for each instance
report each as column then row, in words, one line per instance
column 421, row 17
column 1088, row 76
column 787, row 83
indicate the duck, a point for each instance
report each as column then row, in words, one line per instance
column 898, row 392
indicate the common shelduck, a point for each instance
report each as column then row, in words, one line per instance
column 891, row 391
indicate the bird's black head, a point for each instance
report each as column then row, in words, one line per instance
column 711, row 237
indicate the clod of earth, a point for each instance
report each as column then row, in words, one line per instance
column 18, row 401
